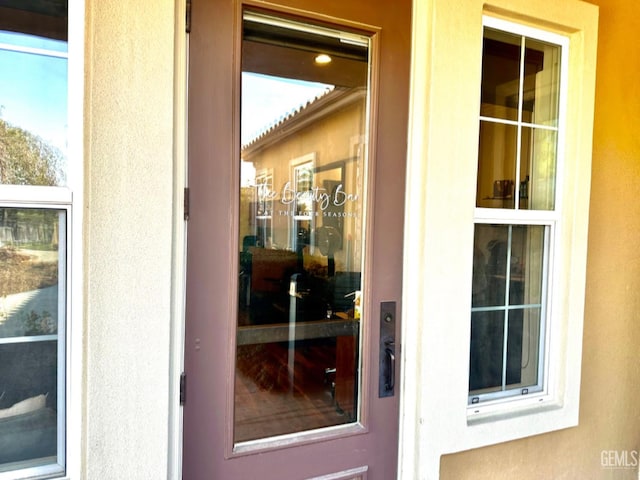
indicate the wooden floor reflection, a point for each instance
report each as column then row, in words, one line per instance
column 272, row 398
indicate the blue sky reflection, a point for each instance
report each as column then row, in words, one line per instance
column 33, row 86
column 266, row 99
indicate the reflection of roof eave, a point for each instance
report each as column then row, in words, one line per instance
column 313, row 111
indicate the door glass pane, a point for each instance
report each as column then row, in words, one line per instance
column 303, row 166
column 32, row 312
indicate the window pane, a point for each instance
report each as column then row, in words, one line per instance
column 487, row 345
column 523, row 348
column 491, row 370
column 33, row 113
column 516, row 159
column 505, row 336
column 490, row 265
column 541, row 82
column 497, row 152
column 31, row 261
column 500, row 74
column 521, row 247
column 538, row 169
column 526, row 260
column 28, row 404
column 32, row 313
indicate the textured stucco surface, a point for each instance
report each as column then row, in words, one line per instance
column 128, row 234
column 609, row 409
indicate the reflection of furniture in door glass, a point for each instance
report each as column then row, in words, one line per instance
column 270, row 273
column 346, row 394
column 335, row 294
column 314, row 307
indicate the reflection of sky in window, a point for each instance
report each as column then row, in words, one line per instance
column 33, row 86
column 266, row 99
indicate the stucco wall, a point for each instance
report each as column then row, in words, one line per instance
column 128, row 235
column 609, row 410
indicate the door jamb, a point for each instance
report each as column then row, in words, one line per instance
column 179, row 241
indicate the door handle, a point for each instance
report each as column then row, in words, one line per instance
column 391, row 368
column 387, row 350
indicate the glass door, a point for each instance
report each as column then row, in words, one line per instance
column 297, row 137
column 301, row 243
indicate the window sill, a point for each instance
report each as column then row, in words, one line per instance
column 511, row 409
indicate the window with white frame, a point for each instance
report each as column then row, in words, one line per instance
column 264, row 208
column 517, row 210
column 300, row 197
column 35, row 219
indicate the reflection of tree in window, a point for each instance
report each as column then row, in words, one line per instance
column 26, row 159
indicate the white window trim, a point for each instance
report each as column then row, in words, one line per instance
column 441, row 190
column 75, row 180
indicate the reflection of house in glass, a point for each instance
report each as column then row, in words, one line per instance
column 301, row 228
column 309, row 178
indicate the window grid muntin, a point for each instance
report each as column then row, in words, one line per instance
column 517, row 216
